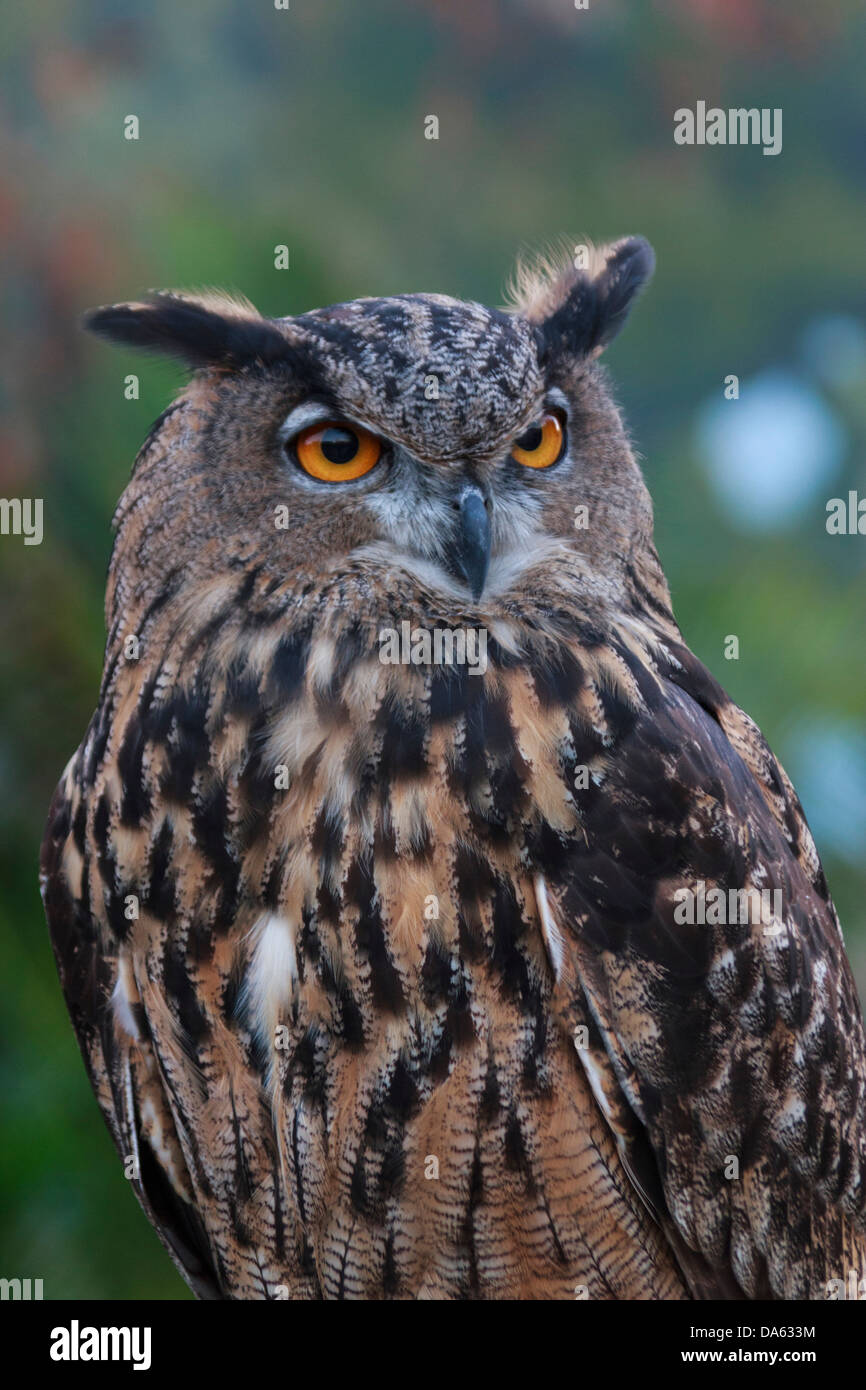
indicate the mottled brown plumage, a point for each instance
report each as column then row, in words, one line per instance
column 377, row 969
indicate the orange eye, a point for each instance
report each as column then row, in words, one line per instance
column 541, row 445
column 337, row 452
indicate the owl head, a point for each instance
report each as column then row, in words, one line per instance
column 420, row 443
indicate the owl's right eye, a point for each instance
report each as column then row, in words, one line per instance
column 336, row 452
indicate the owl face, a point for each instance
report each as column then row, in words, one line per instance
column 422, row 401
column 424, row 439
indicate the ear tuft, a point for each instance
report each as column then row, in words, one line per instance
column 542, row 280
column 580, row 302
column 210, row 329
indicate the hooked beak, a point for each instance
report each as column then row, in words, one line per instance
column 469, row 551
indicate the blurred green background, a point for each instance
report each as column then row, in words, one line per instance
column 305, row 127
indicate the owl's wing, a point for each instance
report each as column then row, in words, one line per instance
column 125, row 1078
column 729, row 1056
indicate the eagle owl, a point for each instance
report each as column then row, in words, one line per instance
column 390, row 887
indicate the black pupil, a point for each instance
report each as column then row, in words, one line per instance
column 339, row 445
column 531, row 440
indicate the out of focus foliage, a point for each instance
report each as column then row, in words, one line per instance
column 305, row 127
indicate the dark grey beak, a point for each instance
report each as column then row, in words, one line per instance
column 469, row 552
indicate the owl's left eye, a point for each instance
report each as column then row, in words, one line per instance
column 542, row 444
column 336, row 452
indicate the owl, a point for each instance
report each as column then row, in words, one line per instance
column 432, row 923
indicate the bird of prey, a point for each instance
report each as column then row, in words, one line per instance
column 432, row 923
